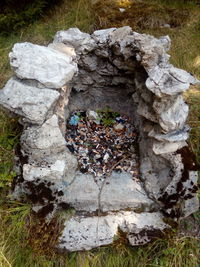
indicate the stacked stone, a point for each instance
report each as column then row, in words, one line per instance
column 47, row 172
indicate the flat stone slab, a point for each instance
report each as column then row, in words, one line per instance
column 83, row 193
column 121, row 191
column 28, row 101
column 46, row 65
column 84, row 233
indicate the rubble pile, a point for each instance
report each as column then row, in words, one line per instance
column 101, row 148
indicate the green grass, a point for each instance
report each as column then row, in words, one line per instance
column 22, row 243
column 16, row 249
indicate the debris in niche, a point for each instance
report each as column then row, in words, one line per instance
column 103, row 141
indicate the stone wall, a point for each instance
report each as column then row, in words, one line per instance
column 131, row 73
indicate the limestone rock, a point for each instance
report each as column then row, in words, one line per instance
column 167, row 147
column 84, row 233
column 175, row 117
column 174, row 136
column 146, row 111
column 166, row 42
column 183, row 76
column 30, row 102
column 43, row 141
column 122, row 192
column 169, row 81
column 102, row 36
column 190, row 206
column 60, row 169
column 82, row 42
column 83, row 193
column 68, row 50
column 48, row 66
column 119, row 34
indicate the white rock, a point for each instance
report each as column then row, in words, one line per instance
column 43, row 141
column 82, row 42
column 103, row 35
column 183, row 76
column 166, row 42
column 92, row 115
column 48, row 66
column 174, row 136
column 190, row 206
column 57, row 172
column 27, row 101
column 122, row 192
column 166, row 25
column 175, row 117
column 119, row 34
column 122, row 10
column 86, row 233
column 106, row 157
column 83, row 193
column 167, row 147
column 118, row 127
column 68, row 50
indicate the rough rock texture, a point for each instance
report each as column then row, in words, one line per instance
column 30, row 102
column 46, row 65
column 86, row 233
column 130, row 73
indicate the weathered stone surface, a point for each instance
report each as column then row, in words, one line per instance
column 82, row 42
column 190, row 206
column 151, row 50
column 151, row 179
column 27, row 101
column 102, row 36
column 83, row 193
column 122, row 192
column 167, row 147
column 68, row 50
column 146, row 111
column 174, row 136
column 46, row 140
column 175, row 117
column 46, row 65
column 59, row 169
column 118, row 35
column 169, row 81
column 166, row 42
column 86, row 233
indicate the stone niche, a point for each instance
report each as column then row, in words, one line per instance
column 131, row 73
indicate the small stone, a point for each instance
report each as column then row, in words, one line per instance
column 106, row 157
column 118, row 127
column 166, row 25
column 122, row 10
column 93, row 116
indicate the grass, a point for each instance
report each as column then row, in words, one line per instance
column 26, row 246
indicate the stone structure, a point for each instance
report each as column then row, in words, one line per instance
column 131, row 73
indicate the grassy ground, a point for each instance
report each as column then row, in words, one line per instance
column 22, row 247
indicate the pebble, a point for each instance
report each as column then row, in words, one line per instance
column 118, row 127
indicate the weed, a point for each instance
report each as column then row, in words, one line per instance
column 107, row 116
